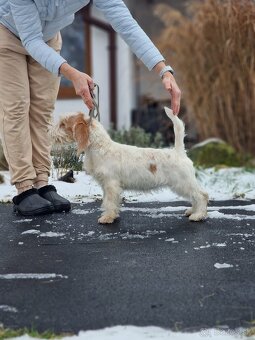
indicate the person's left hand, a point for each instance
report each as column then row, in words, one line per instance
column 172, row 87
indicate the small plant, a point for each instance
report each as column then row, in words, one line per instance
column 137, row 136
column 6, row 333
column 64, row 157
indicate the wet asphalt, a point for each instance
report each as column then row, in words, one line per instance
column 152, row 267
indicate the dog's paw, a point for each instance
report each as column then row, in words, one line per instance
column 197, row 217
column 188, row 212
column 106, row 219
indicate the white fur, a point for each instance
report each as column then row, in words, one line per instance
column 117, row 167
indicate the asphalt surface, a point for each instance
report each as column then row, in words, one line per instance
column 152, row 267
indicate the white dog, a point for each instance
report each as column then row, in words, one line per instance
column 117, row 167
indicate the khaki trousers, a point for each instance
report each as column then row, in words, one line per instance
column 27, row 96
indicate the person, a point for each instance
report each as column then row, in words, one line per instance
column 30, row 70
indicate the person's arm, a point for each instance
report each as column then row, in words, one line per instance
column 28, row 24
column 123, row 23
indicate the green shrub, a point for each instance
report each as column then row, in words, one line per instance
column 137, row 136
column 218, row 154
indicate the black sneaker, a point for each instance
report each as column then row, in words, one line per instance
column 30, row 203
column 49, row 192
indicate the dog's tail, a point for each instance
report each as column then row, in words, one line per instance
column 179, row 130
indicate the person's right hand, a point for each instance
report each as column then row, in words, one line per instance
column 82, row 83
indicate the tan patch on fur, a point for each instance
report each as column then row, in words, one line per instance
column 153, row 168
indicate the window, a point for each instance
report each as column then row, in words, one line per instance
column 76, row 50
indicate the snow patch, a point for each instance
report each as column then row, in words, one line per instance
column 6, row 308
column 24, row 220
column 82, row 211
column 31, row 276
column 223, row 265
column 217, row 214
column 51, row 234
column 31, row 231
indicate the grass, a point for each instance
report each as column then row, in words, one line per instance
column 6, row 333
column 250, row 332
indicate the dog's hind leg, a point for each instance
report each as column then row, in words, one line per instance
column 111, row 201
column 199, row 205
column 199, row 199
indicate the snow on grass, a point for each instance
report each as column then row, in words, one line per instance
column 221, row 184
column 150, row 333
column 228, row 183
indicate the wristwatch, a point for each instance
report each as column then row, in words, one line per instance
column 164, row 70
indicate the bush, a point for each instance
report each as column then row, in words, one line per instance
column 213, row 52
column 137, row 136
column 65, row 157
column 215, row 153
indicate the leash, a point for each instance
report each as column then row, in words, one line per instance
column 94, row 113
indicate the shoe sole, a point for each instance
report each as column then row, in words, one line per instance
column 37, row 212
column 62, row 207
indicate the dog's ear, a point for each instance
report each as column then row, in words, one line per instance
column 81, row 135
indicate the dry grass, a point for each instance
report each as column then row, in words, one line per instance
column 213, row 52
column 250, row 332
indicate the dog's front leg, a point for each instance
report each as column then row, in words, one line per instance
column 111, row 201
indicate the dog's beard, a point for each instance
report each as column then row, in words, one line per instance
column 59, row 136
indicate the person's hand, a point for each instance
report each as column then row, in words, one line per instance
column 82, row 83
column 172, row 87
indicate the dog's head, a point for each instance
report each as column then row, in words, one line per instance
column 74, row 128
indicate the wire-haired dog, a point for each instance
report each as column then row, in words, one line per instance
column 117, row 167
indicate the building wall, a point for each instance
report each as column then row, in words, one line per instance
column 100, row 73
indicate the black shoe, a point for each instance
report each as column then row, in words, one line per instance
column 49, row 193
column 29, row 203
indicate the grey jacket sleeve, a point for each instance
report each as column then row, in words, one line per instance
column 28, row 24
column 122, row 21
